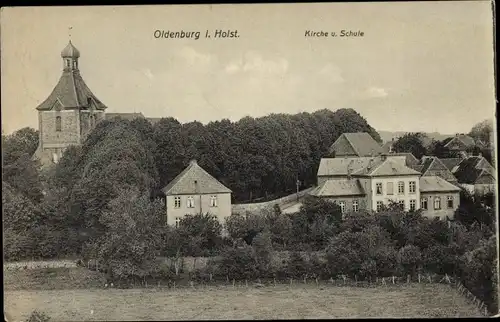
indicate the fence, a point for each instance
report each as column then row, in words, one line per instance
column 209, row 282
column 256, row 207
column 483, row 308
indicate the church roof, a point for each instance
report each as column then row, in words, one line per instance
column 194, row 180
column 124, row 116
column 70, row 51
column 71, row 92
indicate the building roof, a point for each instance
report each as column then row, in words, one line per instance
column 385, row 167
column 436, row 184
column 450, row 163
column 154, row 120
column 358, row 166
column 71, row 92
column 340, row 187
column 472, row 168
column 339, row 166
column 410, row 159
column 70, row 51
column 194, row 180
column 432, row 166
column 360, row 144
column 124, row 116
column 466, row 140
column 386, row 147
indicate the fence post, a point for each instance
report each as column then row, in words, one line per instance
column 233, row 282
column 317, row 282
column 408, row 279
column 393, row 280
column 274, row 279
column 419, row 278
column 246, row 283
column 331, row 280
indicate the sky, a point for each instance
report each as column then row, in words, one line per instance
column 420, row 66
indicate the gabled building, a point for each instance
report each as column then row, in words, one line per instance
column 360, row 144
column 451, row 163
column 195, row 191
column 460, row 143
column 476, row 175
column 433, row 166
column 369, row 183
column 438, row 197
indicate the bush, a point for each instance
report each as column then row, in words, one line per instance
column 237, row 263
column 37, row 316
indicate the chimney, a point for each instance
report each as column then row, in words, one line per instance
column 369, row 167
column 383, row 156
column 372, row 153
column 193, row 162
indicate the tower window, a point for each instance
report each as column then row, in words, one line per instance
column 68, row 63
column 58, row 124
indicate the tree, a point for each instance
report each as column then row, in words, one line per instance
column 132, row 239
column 483, row 131
column 409, row 259
column 411, row 143
column 263, row 250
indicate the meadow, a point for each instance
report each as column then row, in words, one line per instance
column 85, row 300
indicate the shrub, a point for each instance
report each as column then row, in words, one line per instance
column 37, row 316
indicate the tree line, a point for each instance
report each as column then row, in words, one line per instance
column 418, row 143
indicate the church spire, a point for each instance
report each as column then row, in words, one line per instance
column 70, row 55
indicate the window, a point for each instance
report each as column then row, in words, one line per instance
column 437, row 203
column 177, row 202
column 450, row 201
column 213, row 201
column 401, row 187
column 401, row 204
column 68, row 63
column 342, row 206
column 423, row 203
column 355, row 206
column 390, row 188
column 190, row 202
column 177, row 221
column 58, row 124
column 378, row 188
column 413, row 186
column 413, row 205
column 379, row 205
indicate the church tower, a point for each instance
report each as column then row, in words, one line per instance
column 69, row 113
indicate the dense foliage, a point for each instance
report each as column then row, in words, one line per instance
column 258, row 158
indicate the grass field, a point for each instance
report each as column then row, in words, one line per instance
column 226, row 302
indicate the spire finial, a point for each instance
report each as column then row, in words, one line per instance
column 69, row 33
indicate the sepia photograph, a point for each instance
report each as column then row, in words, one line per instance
column 249, row 161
